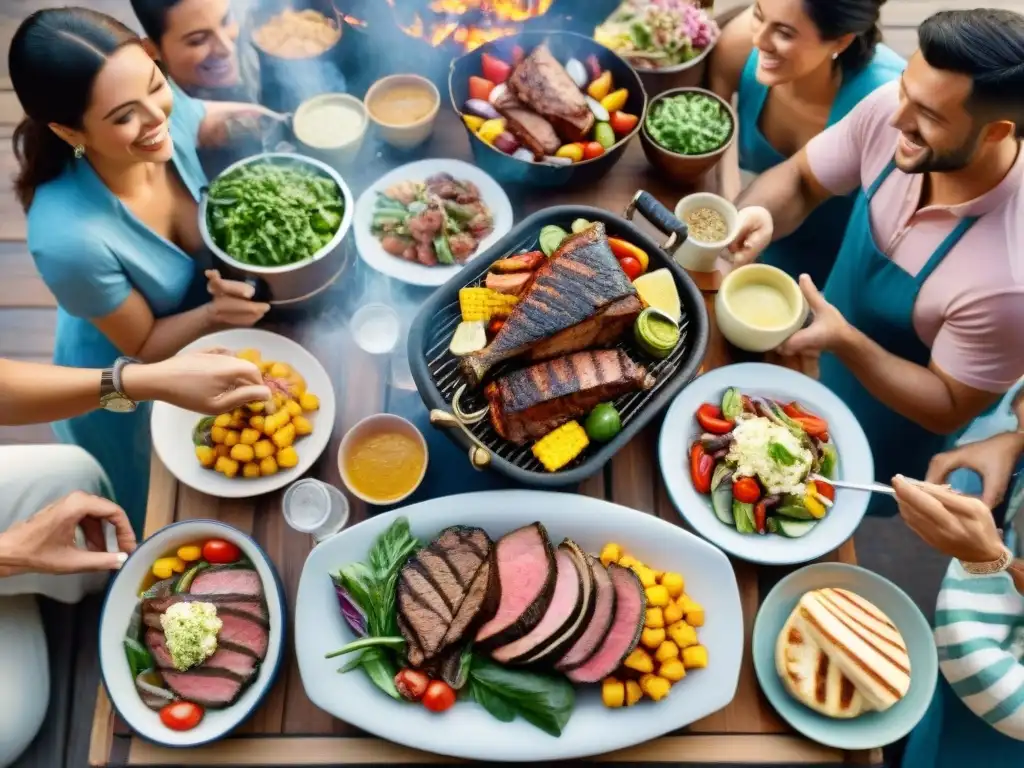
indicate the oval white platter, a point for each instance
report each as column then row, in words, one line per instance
column 468, row 731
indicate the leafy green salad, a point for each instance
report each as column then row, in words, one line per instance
column 689, row 124
column 271, row 215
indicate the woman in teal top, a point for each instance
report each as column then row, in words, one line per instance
column 797, row 67
column 110, row 180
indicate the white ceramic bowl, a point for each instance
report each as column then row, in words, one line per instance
column 381, row 422
column 754, row 338
column 340, row 153
column 172, row 426
column 467, row 730
column 695, row 254
column 404, row 135
column 120, row 601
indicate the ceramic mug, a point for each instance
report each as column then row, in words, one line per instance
column 750, row 337
column 694, row 254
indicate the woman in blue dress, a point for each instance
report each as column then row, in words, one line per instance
column 110, row 181
column 797, row 67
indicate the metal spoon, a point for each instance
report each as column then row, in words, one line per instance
column 869, row 487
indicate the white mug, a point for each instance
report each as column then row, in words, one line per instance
column 693, row 254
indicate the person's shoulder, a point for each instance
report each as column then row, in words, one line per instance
column 733, row 51
column 64, row 213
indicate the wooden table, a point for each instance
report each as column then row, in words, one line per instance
column 288, row 729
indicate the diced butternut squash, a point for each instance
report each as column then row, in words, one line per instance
column 646, row 576
column 613, row 693
column 263, row 449
column 627, row 561
column 652, row 638
column 667, row 650
column 695, row 616
column 287, row 458
column 232, row 437
column 672, row 670
column 293, row 408
column 639, row 661
column 610, row 554
column 226, row 466
column 672, row 613
column 249, row 436
column 242, row 453
column 206, row 455
column 674, row 583
column 268, row 466
column 633, row 692
column 302, row 426
column 309, row 401
column 251, row 470
column 655, row 687
column 654, row 619
column 657, row 596
column 224, row 420
column 695, row 657
column 682, row 634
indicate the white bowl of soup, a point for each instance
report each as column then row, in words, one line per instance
column 711, row 223
column 403, row 107
column 758, row 307
column 331, row 126
column 383, row 459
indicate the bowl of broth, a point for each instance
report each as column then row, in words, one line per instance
column 383, row 459
column 331, row 126
column 711, row 223
column 758, row 307
column 403, row 107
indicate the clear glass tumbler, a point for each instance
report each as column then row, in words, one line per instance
column 313, row 507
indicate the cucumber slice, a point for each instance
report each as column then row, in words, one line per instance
column 794, row 512
column 184, row 583
column 793, row 529
column 579, row 225
column 550, row 238
column 743, row 515
column 721, row 501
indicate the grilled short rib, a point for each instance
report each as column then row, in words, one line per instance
column 445, row 591
column 580, row 299
column 542, row 83
column 529, row 403
column 533, row 131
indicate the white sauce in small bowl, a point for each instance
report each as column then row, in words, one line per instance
column 330, row 123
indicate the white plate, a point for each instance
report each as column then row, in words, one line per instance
column 855, row 462
column 468, row 731
column 369, row 246
column 172, row 426
column 119, row 603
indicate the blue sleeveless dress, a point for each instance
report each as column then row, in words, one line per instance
column 92, row 251
column 812, row 249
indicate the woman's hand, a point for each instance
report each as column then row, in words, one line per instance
column 45, row 543
column 754, row 229
column 226, row 121
column 209, row 382
column 232, row 303
column 994, row 459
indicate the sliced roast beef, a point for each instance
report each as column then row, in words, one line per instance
column 622, row 638
column 600, row 622
column 249, row 605
column 229, row 580
column 567, row 603
column 443, row 590
column 527, row 573
column 225, row 658
column 240, row 631
column 210, row 688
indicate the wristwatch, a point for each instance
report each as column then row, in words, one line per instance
column 112, row 396
column 995, row 566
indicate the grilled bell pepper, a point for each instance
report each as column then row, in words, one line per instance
column 623, row 248
column 811, row 503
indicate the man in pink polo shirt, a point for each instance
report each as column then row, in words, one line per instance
column 919, row 326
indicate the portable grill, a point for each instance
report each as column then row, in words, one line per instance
column 438, row 378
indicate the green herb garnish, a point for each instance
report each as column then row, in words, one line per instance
column 542, row 700
column 780, row 454
column 689, row 124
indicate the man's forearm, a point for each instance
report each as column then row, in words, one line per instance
column 785, row 194
column 170, row 334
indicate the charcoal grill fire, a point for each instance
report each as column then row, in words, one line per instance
column 467, row 24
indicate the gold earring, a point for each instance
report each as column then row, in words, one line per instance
column 79, row 151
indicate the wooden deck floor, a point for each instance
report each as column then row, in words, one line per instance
column 27, row 319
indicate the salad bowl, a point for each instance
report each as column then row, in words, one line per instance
column 810, row 539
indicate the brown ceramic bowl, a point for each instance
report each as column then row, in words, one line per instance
column 684, row 168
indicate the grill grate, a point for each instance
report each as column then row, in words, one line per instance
column 444, row 372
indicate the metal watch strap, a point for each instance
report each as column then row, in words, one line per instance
column 995, row 566
column 116, row 372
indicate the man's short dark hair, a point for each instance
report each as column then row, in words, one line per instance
column 986, row 45
column 152, row 16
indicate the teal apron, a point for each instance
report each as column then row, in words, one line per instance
column 877, row 297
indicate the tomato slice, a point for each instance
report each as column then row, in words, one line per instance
column 746, row 490
column 494, row 69
column 702, row 467
column 825, row 489
column 710, row 418
column 761, row 517
column 439, row 696
column 220, row 552
column 181, row 715
column 813, row 426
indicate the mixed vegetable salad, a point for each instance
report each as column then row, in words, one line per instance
column 764, row 463
column 271, row 214
column 654, row 34
column 689, row 123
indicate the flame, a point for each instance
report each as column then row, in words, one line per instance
column 352, row 21
column 487, row 20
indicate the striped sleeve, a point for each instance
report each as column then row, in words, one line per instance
column 979, row 632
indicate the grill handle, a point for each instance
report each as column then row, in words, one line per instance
column 659, row 216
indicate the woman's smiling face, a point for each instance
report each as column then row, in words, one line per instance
column 198, row 46
column 789, row 44
column 127, row 119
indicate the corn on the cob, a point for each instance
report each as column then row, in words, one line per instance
column 483, row 304
column 558, row 448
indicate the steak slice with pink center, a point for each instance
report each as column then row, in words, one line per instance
column 242, row 632
column 601, row 621
column 228, row 581
column 228, row 659
column 213, row 689
column 527, row 574
column 254, row 607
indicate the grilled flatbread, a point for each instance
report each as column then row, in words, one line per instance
column 841, row 656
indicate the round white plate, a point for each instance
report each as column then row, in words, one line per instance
column 172, row 426
column 369, row 247
column 119, row 603
column 467, row 730
column 855, row 462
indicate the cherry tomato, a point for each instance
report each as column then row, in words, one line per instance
column 760, row 517
column 480, row 88
column 813, row 425
column 623, row 122
column 710, row 418
column 181, row 715
column 411, row 683
column 825, row 489
column 592, row 149
column 439, row 696
column 746, row 490
column 220, row 551
column 631, row 267
column 702, row 467
column 494, row 69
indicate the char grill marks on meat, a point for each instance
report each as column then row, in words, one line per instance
column 542, row 83
column 444, row 591
column 532, row 130
column 579, row 299
column 528, row 403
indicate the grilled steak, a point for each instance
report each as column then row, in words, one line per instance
column 212, row 689
column 598, row 625
column 533, row 131
column 542, row 83
column 622, row 638
column 242, row 631
column 237, row 662
column 526, row 570
column 529, row 403
column 240, row 603
column 444, row 591
column 579, row 299
column 521, row 262
column 227, row 581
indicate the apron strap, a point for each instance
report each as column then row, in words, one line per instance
column 944, row 248
column 870, row 193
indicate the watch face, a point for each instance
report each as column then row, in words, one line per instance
column 117, row 403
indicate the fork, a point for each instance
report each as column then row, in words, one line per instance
column 869, row 487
